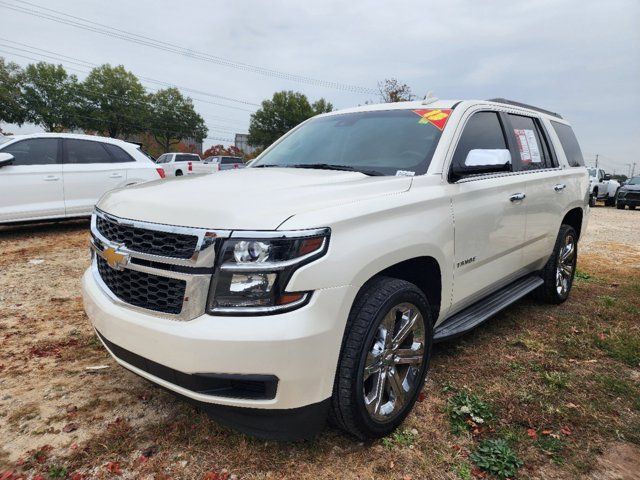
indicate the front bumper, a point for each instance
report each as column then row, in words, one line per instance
column 299, row 348
column 629, row 199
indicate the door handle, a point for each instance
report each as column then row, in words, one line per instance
column 559, row 187
column 115, row 175
column 51, row 178
column 517, row 197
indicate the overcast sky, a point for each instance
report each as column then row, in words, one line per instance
column 580, row 58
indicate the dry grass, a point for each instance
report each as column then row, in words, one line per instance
column 562, row 383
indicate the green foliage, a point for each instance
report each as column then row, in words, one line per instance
column 114, row 102
column 608, row 301
column 625, row 348
column 173, row 118
column 11, row 77
column 581, row 275
column 57, row 472
column 551, row 446
column 497, row 458
column 557, row 380
column 283, row 112
column 463, row 471
column 399, row 437
column 465, row 407
column 50, row 97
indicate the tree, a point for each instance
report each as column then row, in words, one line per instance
column 50, row 97
column 173, row 118
column 115, row 102
column 277, row 116
column 218, row 150
column 393, row 91
column 11, row 77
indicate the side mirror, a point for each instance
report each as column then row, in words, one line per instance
column 481, row 161
column 606, row 177
column 6, row 159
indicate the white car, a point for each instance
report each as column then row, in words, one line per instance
column 54, row 175
column 314, row 281
column 602, row 187
column 179, row 164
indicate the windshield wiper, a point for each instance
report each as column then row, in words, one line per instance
column 328, row 166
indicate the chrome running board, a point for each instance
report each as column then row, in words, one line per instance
column 483, row 310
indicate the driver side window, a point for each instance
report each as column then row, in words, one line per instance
column 482, row 147
column 36, row 151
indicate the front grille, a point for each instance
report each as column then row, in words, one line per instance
column 632, row 196
column 153, row 242
column 144, row 290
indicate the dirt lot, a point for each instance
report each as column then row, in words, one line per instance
column 560, row 385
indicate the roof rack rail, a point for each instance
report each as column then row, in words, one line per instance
column 524, row 105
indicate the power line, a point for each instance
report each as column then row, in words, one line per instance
column 87, row 64
column 82, row 23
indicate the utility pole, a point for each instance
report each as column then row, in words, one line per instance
column 633, row 170
column 597, row 155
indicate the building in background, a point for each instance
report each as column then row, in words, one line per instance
column 242, row 142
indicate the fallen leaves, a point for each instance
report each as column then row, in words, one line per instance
column 114, row 468
column 70, row 427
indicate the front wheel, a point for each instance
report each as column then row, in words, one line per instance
column 384, row 358
column 560, row 269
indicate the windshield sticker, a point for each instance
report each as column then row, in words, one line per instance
column 528, row 145
column 405, row 173
column 436, row 117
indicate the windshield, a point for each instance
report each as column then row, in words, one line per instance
column 634, row 181
column 592, row 172
column 4, row 139
column 394, row 142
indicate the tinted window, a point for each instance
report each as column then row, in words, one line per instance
column 569, row 144
column 187, row 158
column 483, row 131
column 392, row 142
column 86, row 151
column 532, row 148
column 230, row 160
column 118, row 154
column 36, row 151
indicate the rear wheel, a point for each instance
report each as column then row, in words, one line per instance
column 178, row 173
column 384, row 358
column 560, row 270
column 632, row 207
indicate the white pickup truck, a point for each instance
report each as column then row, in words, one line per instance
column 179, row 164
column 602, row 187
column 355, row 242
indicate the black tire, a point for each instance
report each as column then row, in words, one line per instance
column 551, row 291
column 178, row 173
column 619, row 206
column 377, row 299
column 632, row 207
column 610, row 201
column 592, row 200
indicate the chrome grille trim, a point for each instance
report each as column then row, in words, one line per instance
column 197, row 284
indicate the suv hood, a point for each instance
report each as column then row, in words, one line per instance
column 630, row 188
column 245, row 199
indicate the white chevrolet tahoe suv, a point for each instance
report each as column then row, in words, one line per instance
column 313, row 283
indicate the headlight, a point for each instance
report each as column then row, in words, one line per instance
column 254, row 268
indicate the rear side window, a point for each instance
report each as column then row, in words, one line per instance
column 86, row 151
column 36, row 151
column 482, row 132
column 569, row 144
column 118, row 154
column 187, row 158
column 229, row 160
column 530, row 143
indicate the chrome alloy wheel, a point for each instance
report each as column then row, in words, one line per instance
column 566, row 264
column 393, row 363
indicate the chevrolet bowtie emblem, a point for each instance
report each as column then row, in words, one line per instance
column 115, row 259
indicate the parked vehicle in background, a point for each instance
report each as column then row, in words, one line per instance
column 56, row 175
column 629, row 194
column 392, row 226
column 224, row 163
column 602, row 187
column 179, row 164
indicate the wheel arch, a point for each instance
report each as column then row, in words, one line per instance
column 574, row 218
